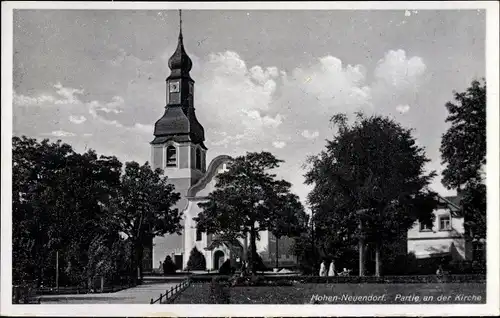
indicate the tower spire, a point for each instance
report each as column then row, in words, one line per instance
column 180, row 24
column 179, row 62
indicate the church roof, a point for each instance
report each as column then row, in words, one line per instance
column 179, row 124
column 234, row 245
column 209, row 175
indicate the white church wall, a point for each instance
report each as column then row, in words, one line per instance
column 157, row 154
column 262, row 245
column 190, row 231
column 170, row 244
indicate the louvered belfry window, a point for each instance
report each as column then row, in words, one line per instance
column 171, row 156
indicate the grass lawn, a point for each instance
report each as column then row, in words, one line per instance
column 199, row 293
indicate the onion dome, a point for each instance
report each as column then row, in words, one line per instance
column 179, row 62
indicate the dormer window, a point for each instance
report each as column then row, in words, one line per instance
column 171, row 156
column 198, row 158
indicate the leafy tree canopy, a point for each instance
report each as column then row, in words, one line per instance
column 60, row 201
column 373, row 166
column 247, row 199
column 463, row 147
column 145, row 207
column 463, row 151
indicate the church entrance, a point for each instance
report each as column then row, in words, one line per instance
column 218, row 259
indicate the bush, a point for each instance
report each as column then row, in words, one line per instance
column 478, row 267
column 257, row 281
column 196, row 260
column 402, row 265
column 225, row 268
column 169, row 266
column 461, row 267
column 24, row 294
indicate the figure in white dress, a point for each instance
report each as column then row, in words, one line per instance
column 322, row 269
column 331, row 269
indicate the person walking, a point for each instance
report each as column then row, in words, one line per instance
column 331, row 269
column 322, row 269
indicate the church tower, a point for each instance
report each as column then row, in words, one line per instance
column 178, row 146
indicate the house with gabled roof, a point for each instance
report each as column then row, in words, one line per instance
column 445, row 237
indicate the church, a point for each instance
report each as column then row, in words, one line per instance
column 178, row 148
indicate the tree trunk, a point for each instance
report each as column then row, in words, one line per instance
column 313, row 243
column 57, row 271
column 277, row 262
column 133, row 263
column 361, row 248
column 245, row 248
column 378, row 263
column 253, row 249
column 139, row 251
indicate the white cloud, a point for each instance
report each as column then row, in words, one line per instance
column 29, row 101
column 403, row 108
column 148, row 129
column 240, row 96
column 109, row 107
column 62, row 133
column 109, row 135
column 242, row 108
column 256, row 120
column 229, row 140
column 399, row 72
column 263, row 76
column 77, row 119
column 68, row 94
column 310, row 135
column 279, row 144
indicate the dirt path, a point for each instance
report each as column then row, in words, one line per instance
column 141, row 294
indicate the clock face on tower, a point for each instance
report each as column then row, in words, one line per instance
column 174, row 87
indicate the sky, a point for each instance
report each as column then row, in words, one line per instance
column 265, row 80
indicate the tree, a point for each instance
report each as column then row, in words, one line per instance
column 243, row 200
column 289, row 219
column 463, row 150
column 196, row 260
column 304, row 248
column 369, row 184
column 145, row 208
column 60, row 204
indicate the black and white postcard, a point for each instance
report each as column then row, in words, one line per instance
column 250, row 158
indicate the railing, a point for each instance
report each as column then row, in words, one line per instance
column 170, row 294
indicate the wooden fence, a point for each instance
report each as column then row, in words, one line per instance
column 172, row 293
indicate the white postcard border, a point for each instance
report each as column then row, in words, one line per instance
column 492, row 62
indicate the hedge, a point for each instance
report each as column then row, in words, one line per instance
column 357, row 279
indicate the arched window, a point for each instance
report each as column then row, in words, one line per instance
column 171, row 156
column 198, row 158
